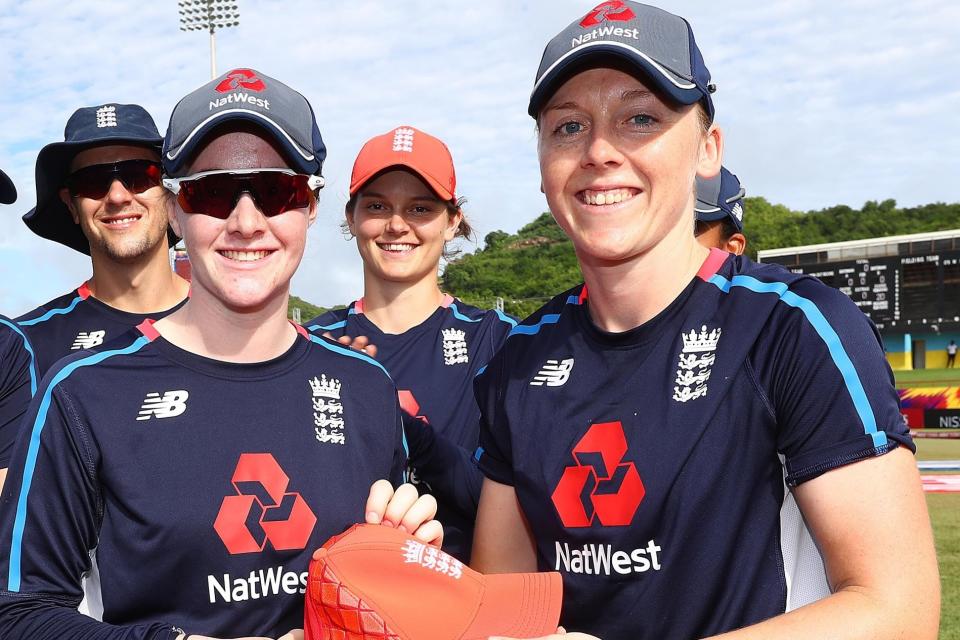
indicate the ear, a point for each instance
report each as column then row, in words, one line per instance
column 711, row 152
column 312, row 214
column 71, row 207
column 172, row 209
column 453, row 223
column 348, row 214
column 736, row 244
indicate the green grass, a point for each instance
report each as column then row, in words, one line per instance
column 945, row 514
column 928, row 377
column 937, row 449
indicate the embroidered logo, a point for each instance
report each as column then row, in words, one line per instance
column 327, row 410
column 694, row 363
column 601, row 485
column 88, row 339
column 262, row 509
column 455, row 346
column 403, row 139
column 738, row 211
column 241, row 79
column 430, row 557
column 553, row 374
column 168, row 405
column 107, row 116
column 615, row 10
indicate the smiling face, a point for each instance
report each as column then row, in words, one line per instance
column 122, row 226
column 618, row 164
column 401, row 227
column 245, row 261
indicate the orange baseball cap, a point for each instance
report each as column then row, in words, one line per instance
column 377, row 583
column 407, row 147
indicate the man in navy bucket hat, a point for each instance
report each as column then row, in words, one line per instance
column 99, row 193
column 719, row 210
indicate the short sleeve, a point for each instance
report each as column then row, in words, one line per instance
column 829, row 382
column 495, row 453
column 17, row 385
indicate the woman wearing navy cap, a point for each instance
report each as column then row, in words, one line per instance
column 708, row 402
column 176, row 480
column 403, row 211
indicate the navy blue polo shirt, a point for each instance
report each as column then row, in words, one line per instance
column 76, row 321
column 653, row 465
column 18, row 382
column 171, row 490
column 433, row 365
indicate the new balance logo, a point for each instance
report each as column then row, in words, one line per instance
column 170, row 404
column 553, row 374
column 88, row 339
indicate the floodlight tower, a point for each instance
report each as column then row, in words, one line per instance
column 209, row 15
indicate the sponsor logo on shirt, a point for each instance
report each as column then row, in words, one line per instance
column 273, row 581
column 601, row 486
column 88, row 339
column 168, row 405
column 262, row 509
column 327, row 410
column 603, row 559
column 454, row 347
column 694, row 363
column 553, row 374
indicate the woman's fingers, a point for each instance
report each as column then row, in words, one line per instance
column 403, row 499
column 380, row 494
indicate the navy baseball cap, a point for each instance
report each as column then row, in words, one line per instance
column 87, row 127
column 720, row 197
column 656, row 42
column 248, row 95
column 8, row 192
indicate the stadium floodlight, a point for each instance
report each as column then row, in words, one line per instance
column 209, row 15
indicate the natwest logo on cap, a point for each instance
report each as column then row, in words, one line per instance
column 241, row 79
column 613, row 10
column 602, row 486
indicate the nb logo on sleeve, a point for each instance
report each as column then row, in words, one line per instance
column 170, row 404
column 88, row 339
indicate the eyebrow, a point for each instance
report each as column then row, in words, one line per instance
column 632, row 94
column 374, row 194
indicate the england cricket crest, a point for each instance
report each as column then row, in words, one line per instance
column 695, row 363
column 327, row 410
column 455, row 347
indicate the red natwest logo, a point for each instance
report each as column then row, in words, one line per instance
column 613, row 10
column 262, row 509
column 601, row 486
column 241, row 79
column 409, row 404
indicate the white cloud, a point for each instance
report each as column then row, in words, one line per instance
column 823, row 103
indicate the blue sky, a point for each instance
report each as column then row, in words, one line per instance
column 822, row 102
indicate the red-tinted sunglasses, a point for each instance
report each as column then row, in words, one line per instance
column 94, row 181
column 215, row 193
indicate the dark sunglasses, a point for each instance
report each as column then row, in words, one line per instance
column 94, row 181
column 215, row 193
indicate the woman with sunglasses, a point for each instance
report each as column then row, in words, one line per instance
column 403, row 211
column 184, row 473
column 708, row 397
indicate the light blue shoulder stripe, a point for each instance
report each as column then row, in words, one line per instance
column 829, row 336
column 460, row 316
column 505, row 318
column 53, row 312
column 353, row 353
column 335, row 325
column 16, row 545
column 34, row 374
column 548, row 318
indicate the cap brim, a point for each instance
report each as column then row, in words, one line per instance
column 432, row 182
column 174, row 160
column 518, row 605
column 8, row 192
column 677, row 88
column 710, row 213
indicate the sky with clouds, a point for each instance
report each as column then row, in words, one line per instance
column 822, row 102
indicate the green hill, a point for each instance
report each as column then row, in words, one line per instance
column 529, row 267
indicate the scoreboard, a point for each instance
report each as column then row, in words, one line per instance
column 896, row 292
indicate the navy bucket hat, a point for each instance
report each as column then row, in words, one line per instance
column 8, row 192
column 87, row 127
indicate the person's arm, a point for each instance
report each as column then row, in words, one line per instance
column 502, row 541
column 18, row 382
column 870, row 522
